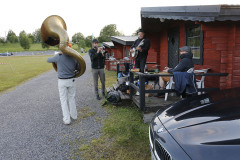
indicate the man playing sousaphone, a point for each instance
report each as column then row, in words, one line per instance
column 140, row 47
column 66, row 67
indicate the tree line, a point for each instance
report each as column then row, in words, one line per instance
column 26, row 39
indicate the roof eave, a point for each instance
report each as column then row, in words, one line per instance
column 208, row 13
column 107, row 45
column 114, row 39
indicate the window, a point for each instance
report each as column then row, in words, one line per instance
column 194, row 39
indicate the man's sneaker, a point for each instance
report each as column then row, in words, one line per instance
column 98, row 98
column 74, row 118
column 66, row 123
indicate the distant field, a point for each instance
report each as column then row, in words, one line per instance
column 15, row 47
column 15, row 70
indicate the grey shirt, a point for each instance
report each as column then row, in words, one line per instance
column 66, row 65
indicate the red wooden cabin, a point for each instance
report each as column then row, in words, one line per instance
column 109, row 47
column 122, row 45
column 118, row 49
column 212, row 31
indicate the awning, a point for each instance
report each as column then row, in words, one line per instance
column 124, row 40
column 108, row 44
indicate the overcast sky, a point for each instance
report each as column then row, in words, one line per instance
column 85, row 16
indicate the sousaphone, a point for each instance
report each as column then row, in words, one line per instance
column 54, row 32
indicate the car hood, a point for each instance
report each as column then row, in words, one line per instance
column 205, row 125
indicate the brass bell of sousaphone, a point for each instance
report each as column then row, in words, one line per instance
column 54, row 32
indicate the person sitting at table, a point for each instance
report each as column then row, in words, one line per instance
column 184, row 65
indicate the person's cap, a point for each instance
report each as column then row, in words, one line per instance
column 141, row 30
column 94, row 41
column 185, row 48
column 70, row 45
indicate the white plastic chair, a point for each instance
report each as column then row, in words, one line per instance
column 200, row 82
column 170, row 84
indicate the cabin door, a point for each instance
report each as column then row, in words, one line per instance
column 173, row 47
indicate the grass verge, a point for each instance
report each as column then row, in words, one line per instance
column 15, row 70
column 124, row 135
column 111, row 78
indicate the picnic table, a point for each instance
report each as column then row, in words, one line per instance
column 140, row 101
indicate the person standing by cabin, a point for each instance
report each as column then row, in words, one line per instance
column 141, row 47
column 66, row 69
column 97, row 56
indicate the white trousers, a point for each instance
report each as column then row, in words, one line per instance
column 67, row 91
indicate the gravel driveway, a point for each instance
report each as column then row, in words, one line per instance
column 31, row 119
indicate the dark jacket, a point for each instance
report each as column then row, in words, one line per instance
column 145, row 47
column 185, row 64
column 97, row 59
column 184, row 80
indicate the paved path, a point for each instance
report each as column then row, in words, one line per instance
column 31, row 119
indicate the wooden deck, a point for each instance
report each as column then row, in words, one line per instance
column 153, row 104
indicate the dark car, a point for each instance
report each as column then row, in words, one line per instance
column 6, row 54
column 204, row 127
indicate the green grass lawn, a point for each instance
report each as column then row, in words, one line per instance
column 15, row 70
column 111, row 78
column 124, row 136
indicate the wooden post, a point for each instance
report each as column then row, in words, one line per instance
column 142, row 92
column 117, row 69
column 131, row 81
